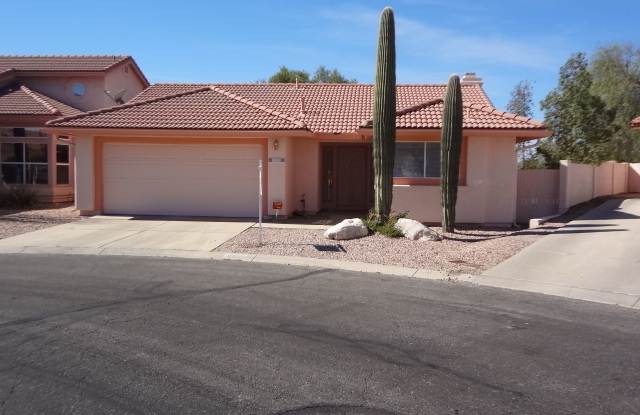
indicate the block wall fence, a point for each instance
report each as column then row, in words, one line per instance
column 545, row 192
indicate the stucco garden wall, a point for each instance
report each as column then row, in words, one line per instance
column 538, row 192
column 634, row 177
column 582, row 182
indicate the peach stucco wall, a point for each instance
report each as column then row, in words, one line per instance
column 293, row 169
column 538, row 193
column 118, row 79
column 307, row 174
column 489, row 195
column 60, row 87
column 634, row 178
column 582, row 182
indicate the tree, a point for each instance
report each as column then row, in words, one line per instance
column 580, row 121
column 321, row 75
column 616, row 79
column 521, row 103
column 286, row 75
column 330, row 76
column 384, row 118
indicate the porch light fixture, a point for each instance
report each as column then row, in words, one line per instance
column 276, row 144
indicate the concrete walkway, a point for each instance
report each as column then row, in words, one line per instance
column 595, row 258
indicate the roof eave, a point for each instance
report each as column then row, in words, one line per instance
column 169, row 132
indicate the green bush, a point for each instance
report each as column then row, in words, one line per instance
column 19, row 197
column 387, row 228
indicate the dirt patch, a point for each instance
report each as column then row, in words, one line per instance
column 16, row 222
column 471, row 249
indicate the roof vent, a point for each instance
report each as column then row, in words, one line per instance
column 470, row 78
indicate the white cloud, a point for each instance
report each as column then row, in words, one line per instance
column 419, row 38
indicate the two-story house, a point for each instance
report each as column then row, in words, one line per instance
column 36, row 89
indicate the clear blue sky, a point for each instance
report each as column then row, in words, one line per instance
column 242, row 41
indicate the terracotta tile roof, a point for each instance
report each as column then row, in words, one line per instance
column 59, row 63
column 203, row 108
column 319, row 108
column 20, row 100
column 635, row 123
column 476, row 116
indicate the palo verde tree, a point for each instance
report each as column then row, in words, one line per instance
column 451, row 147
column 384, row 117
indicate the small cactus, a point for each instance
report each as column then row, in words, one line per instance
column 384, row 117
column 451, row 147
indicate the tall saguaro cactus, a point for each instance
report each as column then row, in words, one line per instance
column 451, row 147
column 384, row 117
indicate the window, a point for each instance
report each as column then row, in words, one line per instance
column 78, row 89
column 62, row 164
column 417, row 159
column 24, row 163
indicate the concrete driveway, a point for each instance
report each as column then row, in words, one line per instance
column 115, row 235
column 595, row 258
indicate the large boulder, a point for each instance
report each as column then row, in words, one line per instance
column 414, row 230
column 347, row 229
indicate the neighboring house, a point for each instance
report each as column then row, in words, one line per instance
column 184, row 149
column 36, row 89
column 635, row 123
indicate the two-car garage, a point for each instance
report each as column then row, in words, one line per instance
column 180, row 179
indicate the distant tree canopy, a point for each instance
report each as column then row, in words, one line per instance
column 590, row 109
column 321, row 75
column 616, row 79
column 521, row 103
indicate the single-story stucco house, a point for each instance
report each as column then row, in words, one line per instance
column 185, row 149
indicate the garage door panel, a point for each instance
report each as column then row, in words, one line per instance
column 200, row 180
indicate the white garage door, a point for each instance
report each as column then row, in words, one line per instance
column 184, row 180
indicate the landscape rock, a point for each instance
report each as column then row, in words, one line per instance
column 347, row 229
column 414, row 230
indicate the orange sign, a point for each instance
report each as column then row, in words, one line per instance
column 277, row 204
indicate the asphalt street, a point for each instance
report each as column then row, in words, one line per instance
column 115, row 335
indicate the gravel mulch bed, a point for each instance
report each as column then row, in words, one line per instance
column 15, row 222
column 471, row 249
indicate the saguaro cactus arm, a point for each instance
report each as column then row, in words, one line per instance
column 384, row 117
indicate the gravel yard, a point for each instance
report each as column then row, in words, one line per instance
column 16, row 222
column 471, row 249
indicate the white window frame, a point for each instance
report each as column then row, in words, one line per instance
column 424, row 160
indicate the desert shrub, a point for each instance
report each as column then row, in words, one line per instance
column 19, row 197
column 387, row 228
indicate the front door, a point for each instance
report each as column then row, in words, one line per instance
column 347, row 179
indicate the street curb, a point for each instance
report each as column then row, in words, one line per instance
column 559, row 290
column 222, row 256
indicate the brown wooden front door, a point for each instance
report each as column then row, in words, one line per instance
column 347, row 179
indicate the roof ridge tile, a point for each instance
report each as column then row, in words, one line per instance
column 53, row 110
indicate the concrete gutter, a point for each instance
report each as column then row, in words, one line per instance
column 259, row 258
